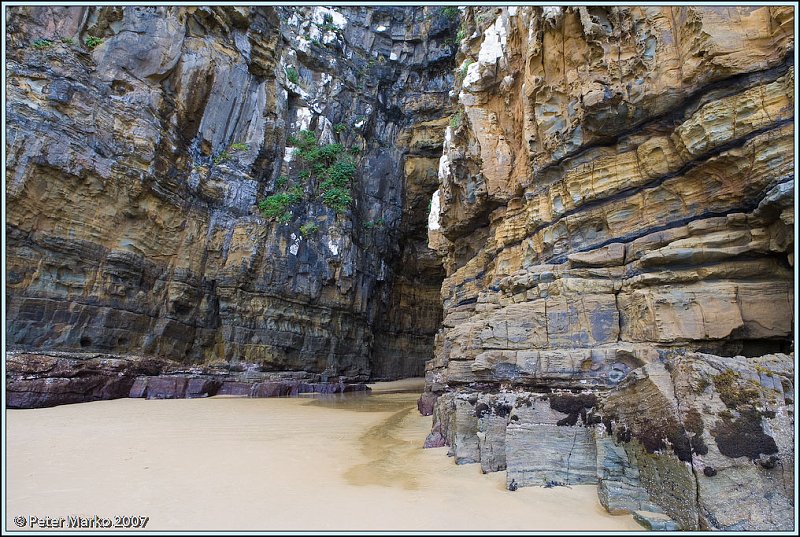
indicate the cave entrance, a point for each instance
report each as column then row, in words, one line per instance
column 407, row 323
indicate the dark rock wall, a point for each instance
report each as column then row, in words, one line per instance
column 135, row 167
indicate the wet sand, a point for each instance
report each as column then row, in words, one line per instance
column 350, row 462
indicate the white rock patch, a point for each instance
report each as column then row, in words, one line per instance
column 473, row 76
column 551, row 11
column 494, row 43
column 303, row 119
column 433, row 216
column 295, row 246
column 333, row 247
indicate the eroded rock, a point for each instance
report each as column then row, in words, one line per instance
column 626, row 239
column 136, row 166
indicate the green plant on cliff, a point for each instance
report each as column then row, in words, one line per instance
column 341, row 172
column 324, row 155
column 222, row 157
column 281, row 182
column 455, row 120
column 328, row 27
column 41, row 44
column 465, row 68
column 327, row 24
column 734, row 390
column 762, row 370
column 339, row 128
column 309, row 228
column 326, row 165
column 305, row 140
column 92, row 41
column 278, row 205
column 451, row 12
column 337, row 198
column 460, row 34
column 292, row 75
column 226, row 153
column 335, row 188
column 461, row 72
column 369, row 224
column 67, row 40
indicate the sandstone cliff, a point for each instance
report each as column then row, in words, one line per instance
column 141, row 141
column 608, row 292
column 616, row 211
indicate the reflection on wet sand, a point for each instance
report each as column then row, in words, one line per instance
column 390, row 457
column 390, row 452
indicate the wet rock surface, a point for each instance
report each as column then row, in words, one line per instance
column 38, row 380
column 182, row 387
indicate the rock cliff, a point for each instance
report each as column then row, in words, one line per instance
column 142, row 144
column 582, row 218
column 616, row 212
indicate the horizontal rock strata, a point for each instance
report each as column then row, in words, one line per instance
column 137, row 163
column 617, row 226
column 36, row 380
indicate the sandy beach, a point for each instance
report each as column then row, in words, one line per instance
column 351, row 462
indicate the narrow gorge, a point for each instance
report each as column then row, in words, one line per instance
column 577, row 223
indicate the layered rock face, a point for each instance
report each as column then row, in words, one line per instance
column 612, row 299
column 616, row 211
column 140, row 142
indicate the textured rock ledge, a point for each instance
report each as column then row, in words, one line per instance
column 702, row 440
column 37, row 380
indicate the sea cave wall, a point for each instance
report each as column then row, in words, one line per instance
column 617, row 224
column 141, row 141
column 577, row 222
